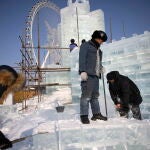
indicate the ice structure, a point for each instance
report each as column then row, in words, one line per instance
column 54, row 131
column 131, row 57
column 62, row 78
column 64, row 131
column 117, row 133
column 69, row 21
column 68, row 28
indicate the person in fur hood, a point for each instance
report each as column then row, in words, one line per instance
column 10, row 82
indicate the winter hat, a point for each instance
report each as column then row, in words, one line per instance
column 99, row 35
column 72, row 40
column 83, row 41
column 113, row 75
column 10, row 81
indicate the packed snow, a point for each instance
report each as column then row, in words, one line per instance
column 52, row 130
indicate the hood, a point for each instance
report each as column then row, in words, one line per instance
column 113, row 75
column 10, row 84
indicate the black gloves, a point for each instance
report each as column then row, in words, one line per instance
column 4, row 142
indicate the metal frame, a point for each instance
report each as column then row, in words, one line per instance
column 30, row 65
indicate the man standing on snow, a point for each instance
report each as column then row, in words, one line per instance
column 125, row 94
column 90, row 67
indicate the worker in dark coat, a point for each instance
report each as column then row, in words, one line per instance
column 90, row 67
column 10, row 81
column 72, row 44
column 125, row 94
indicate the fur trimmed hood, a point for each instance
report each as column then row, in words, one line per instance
column 10, row 83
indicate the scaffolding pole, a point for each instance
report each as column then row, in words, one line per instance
column 78, row 26
column 39, row 62
column 110, row 30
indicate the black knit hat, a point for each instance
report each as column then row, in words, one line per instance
column 113, row 75
column 72, row 40
column 99, row 35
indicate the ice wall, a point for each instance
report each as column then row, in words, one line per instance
column 131, row 57
column 75, row 78
column 56, row 77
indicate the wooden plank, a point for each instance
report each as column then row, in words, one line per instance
column 49, row 84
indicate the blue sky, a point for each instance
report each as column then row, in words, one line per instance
column 134, row 13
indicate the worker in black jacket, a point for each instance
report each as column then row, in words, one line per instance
column 125, row 94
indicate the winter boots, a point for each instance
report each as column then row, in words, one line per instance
column 99, row 117
column 4, row 142
column 85, row 119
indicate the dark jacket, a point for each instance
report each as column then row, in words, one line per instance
column 72, row 46
column 126, row 90
column 4, row 142
column 88, row 57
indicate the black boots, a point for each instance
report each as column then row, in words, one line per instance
column 4, row 142
column 98, row 116
column 85, row 119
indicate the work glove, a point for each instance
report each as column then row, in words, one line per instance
column 84, row 76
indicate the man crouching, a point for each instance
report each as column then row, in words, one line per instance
column 125, row 94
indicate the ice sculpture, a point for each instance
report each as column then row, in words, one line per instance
column 69, row 28
column 69, row 21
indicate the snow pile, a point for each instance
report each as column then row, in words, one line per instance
column 68, row 133
column 20, row 124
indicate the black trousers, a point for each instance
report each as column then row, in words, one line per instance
column 135, row 111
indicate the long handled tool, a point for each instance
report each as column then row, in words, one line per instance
column 104, row 93
column 4, row 146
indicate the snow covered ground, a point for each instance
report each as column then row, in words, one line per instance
column 68, row 133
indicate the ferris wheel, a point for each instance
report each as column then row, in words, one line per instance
column 29, row 26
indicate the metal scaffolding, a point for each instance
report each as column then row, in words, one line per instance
column 33, row 72
column 31, row 65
